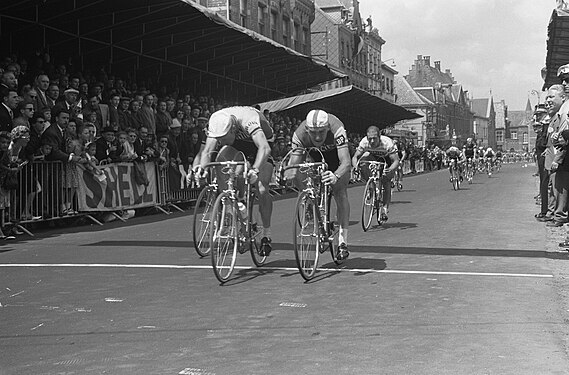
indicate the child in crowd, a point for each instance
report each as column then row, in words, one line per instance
column 92, row 163
column 128, row 153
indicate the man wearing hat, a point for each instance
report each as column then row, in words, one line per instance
column 69, row 103
column 107, row 146
column 540, row 125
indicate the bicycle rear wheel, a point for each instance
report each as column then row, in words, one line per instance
column 224, row 236
column 368, row 204
column 202, row 215
column 454, row 179
column 333, row 231
column 306, row 224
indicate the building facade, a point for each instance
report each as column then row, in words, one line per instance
column 285, row 21
column 450, row 116
column 484, row 122
column 501, row 124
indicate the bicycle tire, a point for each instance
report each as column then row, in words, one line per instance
column 306, row 235
column 224, row 218
column 202, row 220
column 258, row 259
column 368, row 201
column 454, row 179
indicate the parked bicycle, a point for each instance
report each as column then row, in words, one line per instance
column 372, row 201
column 232, row 225
column 314, row 229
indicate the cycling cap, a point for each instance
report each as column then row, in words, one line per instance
column 317, row 119
column 219, row 124
column 563, row 69
column 469, row 140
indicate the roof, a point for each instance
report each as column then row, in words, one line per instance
column 170, row 40
column 481, row 107
column 406, row 96
column 358, row 109
column 557, row 46
column 329, row 3
column 518, row 119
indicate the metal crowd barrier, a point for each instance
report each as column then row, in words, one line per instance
column 173, row 188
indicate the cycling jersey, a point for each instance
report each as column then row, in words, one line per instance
column 469, row 150
column 489, row 154
column 249, row 122
column 454, row 152
column 382, row 151
column 336, row 139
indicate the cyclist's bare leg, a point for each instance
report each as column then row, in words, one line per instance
column 265, row 199
column 340, row 193
column 385, row 181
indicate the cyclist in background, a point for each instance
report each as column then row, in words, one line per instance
column 378, row 147
column 489, row 157
column 470, row 152
column 248, row 131
column 498, row 157
column 454, row 153
column 402, row 154
column 327, row 133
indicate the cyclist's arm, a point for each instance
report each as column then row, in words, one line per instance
column 394, row 162
column 404, row 155
column 263, row 149
column 356, row 157
column 203, row 157
column 345, row 162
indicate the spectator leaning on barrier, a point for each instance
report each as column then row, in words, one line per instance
column 540, row 128
column 5, row 140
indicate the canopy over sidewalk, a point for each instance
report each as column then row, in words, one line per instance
column 168, row 40
column 557, row 46
column 356, row 108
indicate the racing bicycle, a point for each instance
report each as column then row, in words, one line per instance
column 372, row 201
column 454, row 174
column 314, row 229
column 230, row 231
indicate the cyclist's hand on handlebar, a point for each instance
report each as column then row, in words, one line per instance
column 329, row 178
column 290, row 174
column 252, row 176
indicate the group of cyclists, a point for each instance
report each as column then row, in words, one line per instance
column 248, row 132
column 473, row 158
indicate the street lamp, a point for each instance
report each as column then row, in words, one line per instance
column 538, row 94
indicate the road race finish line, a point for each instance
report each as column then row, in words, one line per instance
column 358, row 270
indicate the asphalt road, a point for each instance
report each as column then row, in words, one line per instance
column 463, row 282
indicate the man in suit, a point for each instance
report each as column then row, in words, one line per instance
column 557, row 108
column 108, row 149
column 55, row 134
column 52, row 95
column 9, row 80
column 41, row 85
column 114, row 111
column 101, row 110
column 7, row 108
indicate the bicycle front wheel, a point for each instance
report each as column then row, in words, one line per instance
column 454, row 179
column 224, row 236
column 306, row 224
column 202, row 215
column 368, row 204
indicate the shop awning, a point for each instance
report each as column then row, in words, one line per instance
column 557, row 46
column 356, row 108
column 167, row 40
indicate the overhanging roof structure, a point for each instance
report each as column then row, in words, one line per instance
column 356, row 108
column 163, row 39
column 557, row 46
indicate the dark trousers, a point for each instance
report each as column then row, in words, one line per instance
column 561, row 192
column 543, row 184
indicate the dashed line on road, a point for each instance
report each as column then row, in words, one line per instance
column 355, row 270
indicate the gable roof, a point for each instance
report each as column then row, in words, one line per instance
column 406, row 96
column 518, row 119
column 481, row 107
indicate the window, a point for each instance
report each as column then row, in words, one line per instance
column 525, row 138
column 261, row 19
column 296, row 36
column 243, row 12
column 286, row 32
column 499, row 136
column 514, row 135
column 273, row 26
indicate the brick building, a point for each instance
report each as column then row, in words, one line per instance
column 484, row 122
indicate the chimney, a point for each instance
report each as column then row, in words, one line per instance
column 419, row 59
column 427, row 60
column 447, row 71
column 438, row 65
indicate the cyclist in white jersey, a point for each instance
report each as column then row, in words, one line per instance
column 248, row 131
column 379, row 148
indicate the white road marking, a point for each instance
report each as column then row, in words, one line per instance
column 359, row 270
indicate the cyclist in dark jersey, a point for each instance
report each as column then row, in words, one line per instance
column 248, row 131
column 327, row 133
